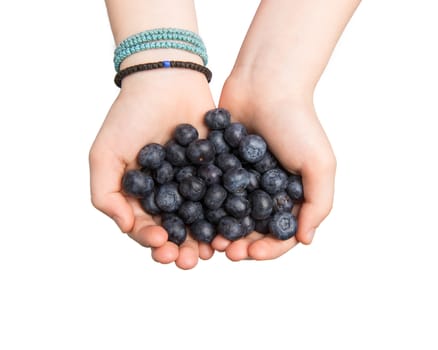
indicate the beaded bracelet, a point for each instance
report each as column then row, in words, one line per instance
column 162, row 64
column 162, row 38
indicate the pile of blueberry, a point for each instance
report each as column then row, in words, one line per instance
column 228, row 183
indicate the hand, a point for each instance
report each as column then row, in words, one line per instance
column 288, row 122
column 148, row 108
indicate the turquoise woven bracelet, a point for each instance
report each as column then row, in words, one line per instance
column 162, row 38
column 162, row 34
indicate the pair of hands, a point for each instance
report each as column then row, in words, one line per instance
column 148, row 108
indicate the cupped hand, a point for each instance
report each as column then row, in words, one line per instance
column 148, row 108
column 288, row 122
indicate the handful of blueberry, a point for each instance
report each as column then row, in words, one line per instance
column 228, row 183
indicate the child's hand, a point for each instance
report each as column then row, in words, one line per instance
column 291, row 128
column 147, row 110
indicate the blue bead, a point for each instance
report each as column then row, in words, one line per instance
column 166, row 64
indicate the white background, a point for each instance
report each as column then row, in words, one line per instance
column 70, row 280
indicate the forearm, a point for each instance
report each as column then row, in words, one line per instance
column 292, row 40
column 128, row 17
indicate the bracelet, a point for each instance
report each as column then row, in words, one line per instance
column 162, row 64
column 161, row 38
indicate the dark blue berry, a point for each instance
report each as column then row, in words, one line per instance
column 185, row 133
column 237, row 206
column 136, row 183
column 248, row 224
column 252, row 148
column 226, row 161
column 216, row 137
column 262, row 226
column 175, row 153
column 230, row 228
column 203, row 231
column 214, row 215
column 149, row 205
column 274, row 181
column 190, row 211
column 192, row 188
column 151, row 156
column 266, row 163
column 185, row 172
column 261, row 204
column 200, row 151
column 164, row 173
column 254, row 180
column 234, row 133
column 282, row 202
column 218, row 118
column 175, row 228
column 210, row 173
column 295, row 188
column 214, row 196
column 283, row 225
column 168, row 198
column 236, row 180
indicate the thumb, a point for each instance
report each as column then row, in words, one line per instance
column 318, row 185
column 106, row 172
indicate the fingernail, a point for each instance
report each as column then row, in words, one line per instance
column 310, row 235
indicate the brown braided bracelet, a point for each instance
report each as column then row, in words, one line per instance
column 162, row 64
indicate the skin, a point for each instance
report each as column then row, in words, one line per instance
column 270, row 90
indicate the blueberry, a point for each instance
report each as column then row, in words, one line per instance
column 230, row 228
column 149, row 205
column 200, row 151
column 185, row 172
column 164, row 173
column 203, row 231
column 175, row 228
column 192, row 188
column 261, row 204
column 274, row 181
column 210, row 173
column 254, row 180
column 175, row 153
column 282, row 202
column 266, row 163
column 295, row 188
column 151, row 156
column 283, row 225
column 248, row 224
column 216, row 137
column 218, row 118
column 214, row 196
column 190, row 211
column 234, row 133
column 168, row 198
column 185, row 133
column 262, row 226
column 235, row 180
column 237, row 206
column 136, row 183
column 214, row 215
column 252, row 148
column 226, row 161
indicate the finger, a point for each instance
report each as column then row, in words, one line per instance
column 188, row 254
column 205, row 251
column 270, row 248
column 220, row 243
column 165, row 254
column 238, row 250
column 318, row 184
column 106, row 172
column 147, row 233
